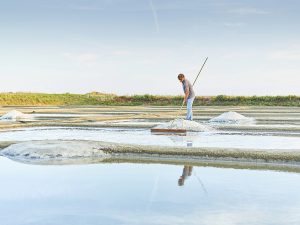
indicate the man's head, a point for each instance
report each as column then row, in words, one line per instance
column 181, row 181
column 180, row 77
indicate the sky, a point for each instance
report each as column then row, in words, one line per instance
column 140, row 46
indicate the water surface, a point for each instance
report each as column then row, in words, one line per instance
column 145, row 194
column 145, row 137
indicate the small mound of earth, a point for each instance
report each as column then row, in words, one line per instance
column 233, row 118
column 184, row 124
column 52, row 151
column 15, row 115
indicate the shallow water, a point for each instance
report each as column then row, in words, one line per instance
column 147, row 194
column 144, row 137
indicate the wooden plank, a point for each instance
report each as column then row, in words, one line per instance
column 168, row 130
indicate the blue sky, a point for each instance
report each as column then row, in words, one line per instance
column 139, row 46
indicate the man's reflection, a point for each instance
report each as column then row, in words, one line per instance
column 189, row 143
column 187, row 139
column 186, row 172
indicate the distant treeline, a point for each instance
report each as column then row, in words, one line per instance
column 96, row 98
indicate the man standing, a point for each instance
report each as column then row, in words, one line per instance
column 189, row 95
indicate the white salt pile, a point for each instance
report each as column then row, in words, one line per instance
column 184, row 124
column 52, row 151
column 15, row 115
column 233, row 118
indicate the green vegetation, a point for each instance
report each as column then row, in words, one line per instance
column 96, row 98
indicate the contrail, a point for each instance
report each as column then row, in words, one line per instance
column 154, row 16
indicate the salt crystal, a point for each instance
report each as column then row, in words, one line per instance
column 14, row 115
column 184, row 124
column 232, row 117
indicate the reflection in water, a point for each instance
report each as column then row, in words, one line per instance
column 74, row 195
column 188, row 139
column 200, row 182
column 186, row 172
column 189, row 143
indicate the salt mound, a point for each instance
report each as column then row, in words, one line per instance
column 184, row 124
column 14, row 115
column 232, row 117
column 52, row 151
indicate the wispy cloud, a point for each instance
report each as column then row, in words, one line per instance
column 285, row 55
column 238, row 55
column 154, row 13
column 234, row 24
column 248, row 11
column 122, row 53
column 253, row 214
column 86, row 8
column 82, row 57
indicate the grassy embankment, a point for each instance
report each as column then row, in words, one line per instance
column 95, row 98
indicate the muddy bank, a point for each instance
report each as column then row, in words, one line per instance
column 31, row 153
column 218, row 163
column 5, row 144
